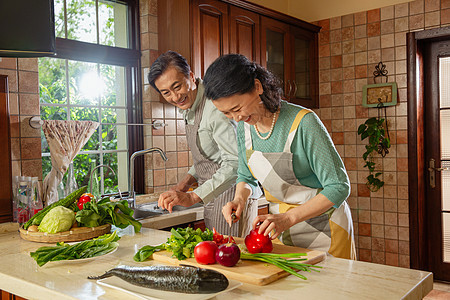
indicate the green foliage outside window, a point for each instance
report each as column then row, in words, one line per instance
column 54, row 84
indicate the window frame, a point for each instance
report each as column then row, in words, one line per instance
column 129, row 58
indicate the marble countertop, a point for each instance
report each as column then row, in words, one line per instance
column 339, row 278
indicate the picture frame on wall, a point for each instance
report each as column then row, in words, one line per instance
column 385, row 93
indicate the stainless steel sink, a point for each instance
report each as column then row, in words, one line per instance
column 152, row 209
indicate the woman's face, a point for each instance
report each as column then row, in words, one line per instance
column 176, row 88
column 246, row 107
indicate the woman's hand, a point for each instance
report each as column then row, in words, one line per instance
column 169, row 199
column 278, row 223
column 236, row 206
column 243, row 191
column 281, row 222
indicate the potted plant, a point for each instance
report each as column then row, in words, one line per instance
column 378, row 142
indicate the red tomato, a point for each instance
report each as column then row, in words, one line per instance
column 257, row 243
column 205, row 252
column 82, row 200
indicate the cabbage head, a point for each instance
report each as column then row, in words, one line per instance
column 58, row 219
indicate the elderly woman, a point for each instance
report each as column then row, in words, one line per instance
column 287, row 149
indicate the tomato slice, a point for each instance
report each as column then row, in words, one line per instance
column 217, row 237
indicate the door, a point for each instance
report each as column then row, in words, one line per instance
column 244, row 33
column 437, row 156
column 210, row 33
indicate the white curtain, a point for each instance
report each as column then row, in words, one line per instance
column 65, row 139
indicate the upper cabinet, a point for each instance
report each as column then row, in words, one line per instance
column 244, row 33
column 290, row 52
column 210, row 29
column 284, row 45
column 219, row 28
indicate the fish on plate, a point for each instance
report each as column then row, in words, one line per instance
column 180, row 279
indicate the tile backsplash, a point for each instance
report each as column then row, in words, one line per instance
column 349, row 48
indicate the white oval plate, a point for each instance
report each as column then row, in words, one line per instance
column 147, row 293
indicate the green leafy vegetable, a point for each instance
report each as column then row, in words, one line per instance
column 66, row 202
column 106, row 211
column 181, row 243
column 58, row 219
column 146, row 251
column 90, row 248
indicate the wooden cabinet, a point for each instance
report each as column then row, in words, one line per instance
column 244, row 33
column 290, row 52
column 263, row 209
column 285, row 45
column 5, row 154
column 210, row 33
column 8, row 296
column 219, row 28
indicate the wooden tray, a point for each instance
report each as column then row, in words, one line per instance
column 248, row 271
column 79, row 234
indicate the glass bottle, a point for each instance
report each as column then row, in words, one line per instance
column 36, row 202
column 15, row 187
column 61, row 190
column 94, row 184
column 24, row 188
column 71, row 184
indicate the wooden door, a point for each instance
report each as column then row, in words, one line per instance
column 244, row 33
column 275, row 50
column 5, row 154
column 303, row 67
column 210, row 33
column 437, row 156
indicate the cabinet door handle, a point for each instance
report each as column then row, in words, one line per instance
column 290, row 89
column 295, row 88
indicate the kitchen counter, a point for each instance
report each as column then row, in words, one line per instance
column 339, row 278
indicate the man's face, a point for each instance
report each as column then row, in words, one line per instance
column 176, row 88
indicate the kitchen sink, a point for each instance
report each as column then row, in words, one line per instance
column 152, row 209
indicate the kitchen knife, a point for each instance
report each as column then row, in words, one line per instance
column 233, row 217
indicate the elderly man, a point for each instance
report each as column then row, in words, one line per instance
column 212, row 140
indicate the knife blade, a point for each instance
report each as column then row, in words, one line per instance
column 233, row 217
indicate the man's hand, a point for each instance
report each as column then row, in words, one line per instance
column 169, row 199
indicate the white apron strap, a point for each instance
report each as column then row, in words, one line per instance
column 248, row 137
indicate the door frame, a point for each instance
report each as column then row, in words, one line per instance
column 416, row 143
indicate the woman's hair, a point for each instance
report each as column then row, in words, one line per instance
column 163, row 62
column 235, row 74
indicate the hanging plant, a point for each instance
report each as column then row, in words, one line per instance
column 379, row 142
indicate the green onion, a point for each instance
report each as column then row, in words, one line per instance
column 279, row 260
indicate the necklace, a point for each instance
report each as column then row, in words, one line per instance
column 271, row 128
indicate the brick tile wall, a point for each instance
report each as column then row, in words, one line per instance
column 349, row 48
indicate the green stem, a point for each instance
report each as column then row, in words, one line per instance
column 280, row 261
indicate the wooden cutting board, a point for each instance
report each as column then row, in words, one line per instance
column 253, row 272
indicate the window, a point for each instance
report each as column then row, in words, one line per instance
column 94, row 77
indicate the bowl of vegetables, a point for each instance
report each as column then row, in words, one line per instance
column 78, row 217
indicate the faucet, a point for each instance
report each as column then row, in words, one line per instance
column 114, row 174
column 131, row 195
